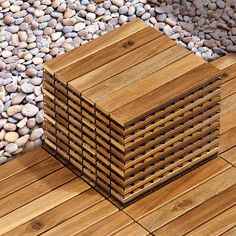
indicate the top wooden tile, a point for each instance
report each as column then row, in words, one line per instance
column 128, row 72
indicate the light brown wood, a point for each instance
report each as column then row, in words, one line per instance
column 228, row 88
column 224, row 62
column 188, row 201
column 227, row 140
column 217, row 225
column 23, row 162
column 230, row 232
column 28, row 176
column 199, row 215
column 85, row 219
column 230, row 155
column 228, row 121
column 176, row 188
column 41, row 205
column 108, row 226
column 228, row 104
column 132, row 230
column 58, row 214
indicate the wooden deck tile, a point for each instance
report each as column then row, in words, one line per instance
column 230, row 155
column 228, row 88
column 217, row 225
column 230, row 232
column 59, row 214
column 35, row 190
column 109, row 225
column 28, row 176
column 225, row 61
column 175, row 189
column 41, row 205
column 188, row 201
column 132, row 230
column 84, row 219
column 228, row 140
column 23, row 162
column 199, row 215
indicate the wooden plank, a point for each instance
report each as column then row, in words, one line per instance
column 58, row 214
column 224, row 62
column 176, row 188
column 230, row 155
column 41, row 205
column 218, row 225
column 23, row 162
column 199, row 215
column 227, row 121
column 111, row 52
column 109, row 225
column 121, row 64
column 132, row 230
column 135, row 73
column 188, row 201
column 229, row 73
column 84, row 220
column 96, row 45
column 35, row 190
column 143, row 105
column 228, row 88
column 28, row 176
column 230, row 232
column 228, row 104
column 227, row 140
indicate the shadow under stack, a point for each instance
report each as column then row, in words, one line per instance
column 132, row 110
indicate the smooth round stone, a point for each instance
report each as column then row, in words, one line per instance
column 22, row 123
column 6, row 54
column 24, row 130
column 13, row 110
column 11, row 136
column 31, row 123
column 3, row 159
column 67, row 29
column 91, row 16
column 56, row 36
column 39, row 13
column 36, row 133
column 15, row 8
column 11, row 147
column 100, row 11
column 27, row 88
column 1, row 107
column 22, row 140
column 8, row 20
column 29, row 110
column 9, row 127
column 11, row 88
column 36, row 81
column 37, row 60
column 118, row 3
column 40, row 117
column 18, row 98
column 31, row 72
column 123, row 10
column 122, row 19
column 79, row 26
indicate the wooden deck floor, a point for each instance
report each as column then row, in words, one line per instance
column 39, row 195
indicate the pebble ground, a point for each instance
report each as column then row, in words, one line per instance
column 32, row 32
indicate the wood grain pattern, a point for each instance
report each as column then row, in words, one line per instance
column 176, row 188
column 121, row 64
column 109, row 225
column 85, row 219
column 228, row 104
column 23, row 162
column 217, row 225
column 188, row 201
column 224, row 62
column 58, row 214
column 199, row 215
column 228, row 88
column 88, row 49
column 28, row 176
column 230, row 155
column 230, row 232
column 227, row 140
column 132, row 230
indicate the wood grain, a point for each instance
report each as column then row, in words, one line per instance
column 217, row 225
column 188, row 201
column 132, row 230
column 58, row 214
column 228, row 104
column 84, row 220
column 199, row 215
column 23, row 162
column 230, row 155
column 227, row 140
column 28, row 176
column 228, row 88
column 109, row 225
column 230, row 232
column 224, row 62
column 41, row 205
column 176, row 188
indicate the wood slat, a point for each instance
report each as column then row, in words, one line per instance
column 121, row 64
column 84, row 220
column 230, row 155
column 230, row 232
column 23, row 162
column 227, row 121
column 227, row 140
column 28, row 176
column 35, row 190
column 229, row 73
column 135, row 73
column 199, row 215
column 109, row 225
column 224, row 62
column 188, row 201
column 94, row 46
column 228, row 88
column 176, row 188
column 132, row 230
column 59, row 214
column 217, row 225
column 228, row 104
column 41, row 205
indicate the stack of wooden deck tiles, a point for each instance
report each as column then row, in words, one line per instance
column 132, row 109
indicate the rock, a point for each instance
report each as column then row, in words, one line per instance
column 11, row 88
column 31, row 123
column 37, row 60
column 9, row 127
column 188, row 26
column 209, row 43
column 18, row 98
column 91, row 16
column 22, row 140
column 22, row 123
column 11, row 147
column 8, row 20
column 167, row 30
column 170, row 22
column 122, row 19
column 14, row 8
column 29, row 110
column 40, row 117
column 36, row 133
column 1, row 107
column 79, row 26
column 2, row 122
column 56, row 36
column 27, row 88
column 11, row 136
column 13, row 110
column 29, row 146
column 31, row 72
column 220, row 4
column 3, row 159
column 24, row 130
column 6, row 54
column 123, row 10
column 118, row 3
column 231, row 49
